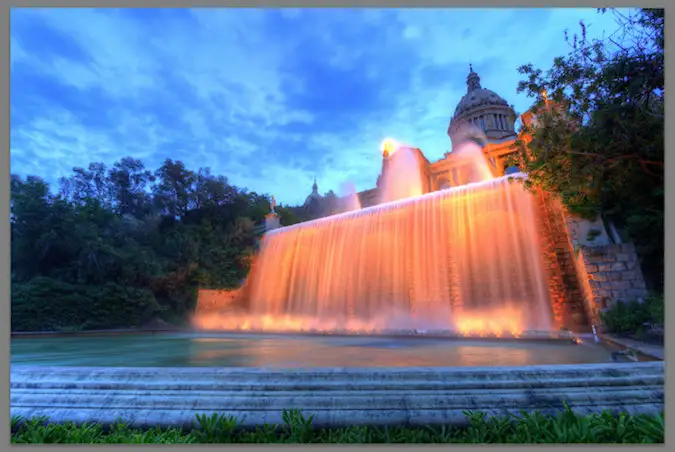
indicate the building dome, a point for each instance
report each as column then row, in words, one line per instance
column 478, row 98
column 484, row 109
column 314, row 196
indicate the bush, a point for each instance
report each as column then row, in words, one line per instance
column 46, row 304
column 634, row 317
column 532, row 428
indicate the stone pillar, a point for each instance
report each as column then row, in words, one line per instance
column 272, row 221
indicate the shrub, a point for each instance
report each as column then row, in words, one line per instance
column 532, row 428
column 46, row 304
column 633, row 317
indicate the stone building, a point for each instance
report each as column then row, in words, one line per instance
column 580, row 282
column 481, row 116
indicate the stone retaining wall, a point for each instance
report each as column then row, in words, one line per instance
column 613, row 273
column 565, row 290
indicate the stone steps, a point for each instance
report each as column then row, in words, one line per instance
column 336, row 397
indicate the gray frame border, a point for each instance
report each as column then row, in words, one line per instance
column 4, row 120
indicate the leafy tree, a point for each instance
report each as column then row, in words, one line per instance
column 115, row 247
column 86, row 185
column 598, row 140
column 129, row 185
column 173, row 189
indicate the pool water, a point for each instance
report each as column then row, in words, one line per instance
column 254, row 350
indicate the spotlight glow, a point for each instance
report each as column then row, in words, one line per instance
column 389, row 146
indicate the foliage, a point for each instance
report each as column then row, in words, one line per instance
column 565, row 427
column 116, row 246
column 598, row 138
column 634, row 317
column 46, row 303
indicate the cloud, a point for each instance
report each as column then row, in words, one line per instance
column 269, row 98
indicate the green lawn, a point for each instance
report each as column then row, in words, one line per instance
column 566, row 427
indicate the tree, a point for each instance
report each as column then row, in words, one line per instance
column 90, row 184
column 173, row 189
column 115, row 247
column 598, row 139
column 130, row 183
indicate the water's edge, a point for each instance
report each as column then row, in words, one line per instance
column 337, row 397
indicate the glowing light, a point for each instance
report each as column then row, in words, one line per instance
column 544, row 94
column 389, row 146
column 498, row 324
column 465, row 260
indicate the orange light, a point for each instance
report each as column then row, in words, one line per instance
column 389, row 146
column 503, row 323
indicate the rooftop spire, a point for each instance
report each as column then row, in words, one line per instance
column 472, row 80
column 315, row 187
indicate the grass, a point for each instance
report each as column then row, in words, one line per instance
column 566, row 427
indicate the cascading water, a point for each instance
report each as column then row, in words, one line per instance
column 350, row 199
column 464, row 259
column 403, row 178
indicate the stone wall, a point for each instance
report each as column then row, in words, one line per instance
column 213, row 300
column 586, row 271
column 565, row 290
column 613, row 274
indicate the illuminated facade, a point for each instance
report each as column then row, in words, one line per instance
column 481, row 116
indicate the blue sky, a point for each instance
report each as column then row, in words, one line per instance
column 269, row 98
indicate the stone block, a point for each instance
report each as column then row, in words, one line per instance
column 638, row 284
column 618, row 267
column 621, row 285
column 600, row 277
column 616, row 276
column 632, row 265
column 631, row 275
column 618, row 295
column 604, row 268
column 591, row 268
column 623, row 257
column 636, row 294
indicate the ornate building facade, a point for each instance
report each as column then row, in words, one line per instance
column 584, row 275
column 481, row 116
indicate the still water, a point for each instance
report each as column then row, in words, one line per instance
column 250, row 350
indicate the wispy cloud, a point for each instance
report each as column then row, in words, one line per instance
column 269, row 98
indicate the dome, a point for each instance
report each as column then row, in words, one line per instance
column 477, row 96
column 314, row 196
column 483, row 109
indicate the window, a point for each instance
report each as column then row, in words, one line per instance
column 501, row 122
column 482, row 123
